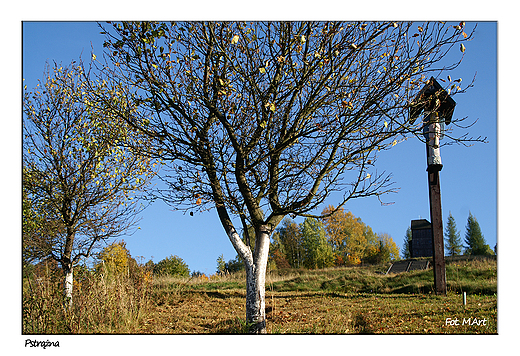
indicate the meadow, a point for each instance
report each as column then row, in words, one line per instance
column 348, row 300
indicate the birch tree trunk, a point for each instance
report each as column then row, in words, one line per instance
column 256, row 267
column 68, row 284
column 255, row 279
column 67, row 265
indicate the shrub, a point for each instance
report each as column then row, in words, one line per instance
column 114, row 259
column 172, row 266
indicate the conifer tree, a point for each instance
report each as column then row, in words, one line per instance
column 405, row 251
column 221, row 265
column 476, row 244
column 452, row 238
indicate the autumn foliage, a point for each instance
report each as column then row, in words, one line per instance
column 341, row 240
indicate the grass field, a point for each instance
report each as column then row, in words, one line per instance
column 355, row 300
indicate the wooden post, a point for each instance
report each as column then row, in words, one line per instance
column 437, row 106
column 439, row 267
column 434, row 167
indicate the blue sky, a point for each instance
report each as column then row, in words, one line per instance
column 468, row 179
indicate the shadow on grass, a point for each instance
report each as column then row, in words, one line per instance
column 226, row 294
column 229, row 326
column 361, row 325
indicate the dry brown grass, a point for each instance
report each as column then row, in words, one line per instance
column 295, row 304
column 333, row 301
column 101, row 305
column 223, row 311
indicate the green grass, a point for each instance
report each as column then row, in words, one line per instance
column 330, row 301
column 475, row 277
column 334, row 301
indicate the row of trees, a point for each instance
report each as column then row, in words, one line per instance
column 115, row 260
column 473, row 238
column 475, row 243
column 244, row 117
column 340, row 239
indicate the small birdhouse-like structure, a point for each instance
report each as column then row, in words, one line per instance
column 437, row 106
column 432, row 98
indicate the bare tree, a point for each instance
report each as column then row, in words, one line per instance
column 265, row 120
column 80, row 179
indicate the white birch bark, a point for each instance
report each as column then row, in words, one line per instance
column 68, row 284
column 256, row 267
column 255, row 298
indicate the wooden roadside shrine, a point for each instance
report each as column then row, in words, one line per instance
column 437, row 108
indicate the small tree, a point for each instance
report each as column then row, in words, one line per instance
column 383, row 250
column 290, row 237
column 235, row 265
column 115, row 260
column 390, row 245
column 197, row 274
column 172, row 266
column 79, row 175
column 452, row 238
column 476, row 244
column 221, row 265
column 347, row 234
column 405, row 251
column 317, row 251
column 276, row 255
column 149, row 266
